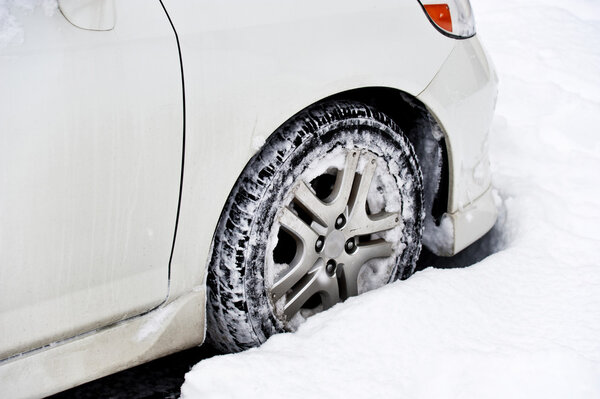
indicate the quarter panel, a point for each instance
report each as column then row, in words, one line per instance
column 249, row 66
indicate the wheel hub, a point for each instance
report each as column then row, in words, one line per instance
column 334, row 244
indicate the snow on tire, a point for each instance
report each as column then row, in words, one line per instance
column 331, row 207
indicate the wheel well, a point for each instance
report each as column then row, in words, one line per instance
column 421, row 128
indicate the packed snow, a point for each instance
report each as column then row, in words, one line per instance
column 523, row 322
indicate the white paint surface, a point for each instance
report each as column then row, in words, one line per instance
column 91, row 136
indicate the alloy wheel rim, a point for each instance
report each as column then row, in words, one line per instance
column 340, row 237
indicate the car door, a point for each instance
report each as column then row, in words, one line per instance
column 90, row 164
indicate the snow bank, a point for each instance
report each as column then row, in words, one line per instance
column 525, row 321
column 11, row 31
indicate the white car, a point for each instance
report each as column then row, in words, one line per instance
column 172, row 170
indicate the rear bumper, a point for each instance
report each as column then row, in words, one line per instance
column 462, row 98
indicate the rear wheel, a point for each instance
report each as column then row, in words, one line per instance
column 331, row 207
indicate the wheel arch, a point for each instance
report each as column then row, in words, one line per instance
column 419, row 125
column 416, row 121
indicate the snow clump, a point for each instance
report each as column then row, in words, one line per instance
column 11, row 31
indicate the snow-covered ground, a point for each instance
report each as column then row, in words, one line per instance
column 525, row 321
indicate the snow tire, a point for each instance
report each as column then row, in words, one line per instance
column 240, row 314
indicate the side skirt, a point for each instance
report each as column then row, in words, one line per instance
column 168, row 329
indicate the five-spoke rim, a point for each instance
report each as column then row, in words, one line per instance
column 337, row 238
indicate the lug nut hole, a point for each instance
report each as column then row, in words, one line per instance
column 320, row 243
column 330, row 267
column 340, row 222
column 350, row 246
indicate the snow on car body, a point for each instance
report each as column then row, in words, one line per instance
column 103, row 258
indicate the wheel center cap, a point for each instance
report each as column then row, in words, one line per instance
column 334, row 244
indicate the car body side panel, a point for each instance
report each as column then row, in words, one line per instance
column 91, row 147
column 249, row 66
